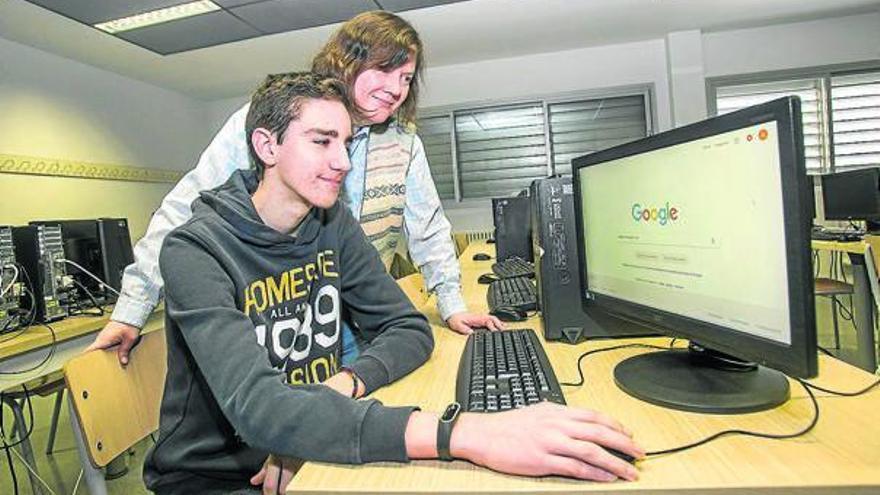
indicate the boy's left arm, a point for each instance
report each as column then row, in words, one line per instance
column 401, row 336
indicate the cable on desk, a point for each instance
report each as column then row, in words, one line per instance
column 723, row 433
column 45, row 360
column 842, row 394
column 748, row 433
column 581, row 378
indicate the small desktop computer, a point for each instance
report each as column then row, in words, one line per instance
column 512, row 229
column 556, row 269
column 703, row 233
column 10, row 282
column 39, row 250
column 102, row 246
column 854, row 196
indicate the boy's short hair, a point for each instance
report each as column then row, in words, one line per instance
column 278, row 101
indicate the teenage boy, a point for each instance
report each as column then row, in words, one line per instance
column 255, row 285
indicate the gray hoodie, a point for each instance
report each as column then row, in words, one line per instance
column 253, row 327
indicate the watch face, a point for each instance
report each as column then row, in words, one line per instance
column 451, row 412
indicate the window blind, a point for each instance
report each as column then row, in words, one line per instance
column 855, row 111
column 735, row 97
column 581, row 127
column 436, row 134
column 500, row 150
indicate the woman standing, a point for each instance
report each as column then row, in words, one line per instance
column 379, row 57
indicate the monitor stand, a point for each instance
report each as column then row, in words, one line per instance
column 698, row 379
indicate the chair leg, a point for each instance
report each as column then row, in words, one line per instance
column 92, row 476
column 50, row 443
column 834, row 304
column 27, row 451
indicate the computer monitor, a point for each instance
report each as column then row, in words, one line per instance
column 703, row 232
column 853, row 195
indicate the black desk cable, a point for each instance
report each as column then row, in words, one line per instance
column 809, row 387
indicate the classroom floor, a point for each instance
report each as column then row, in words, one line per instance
column 61, row 469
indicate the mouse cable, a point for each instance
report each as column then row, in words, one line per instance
column 716, row 435
column 603, row 349
column 772, row 436
column 842, row 394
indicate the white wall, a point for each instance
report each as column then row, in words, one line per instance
column 58, row 108
column 832, row 41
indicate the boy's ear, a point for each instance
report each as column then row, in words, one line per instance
column 265, row 145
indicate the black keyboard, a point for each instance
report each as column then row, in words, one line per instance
column 505, row 370
column 824, row 235
column 518, row 292
column 514, row 267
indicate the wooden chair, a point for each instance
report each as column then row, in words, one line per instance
column 833, row 288
column 111, row 407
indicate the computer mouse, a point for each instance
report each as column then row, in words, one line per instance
column 507, row 313
column 620, row 455
column 487, row 278
column 490, row 241
column 482, row 257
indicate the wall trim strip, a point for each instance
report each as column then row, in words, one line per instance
column 32, row 165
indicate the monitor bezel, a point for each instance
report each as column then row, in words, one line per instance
column 874, row 172
column 797, row 359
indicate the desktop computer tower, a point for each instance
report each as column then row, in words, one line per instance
column 39, row 249
column 10, row 285
column 557, row 269
column 102, row 246
column 512, row 227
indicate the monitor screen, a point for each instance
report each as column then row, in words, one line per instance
column 853, row 195
column 703, row 232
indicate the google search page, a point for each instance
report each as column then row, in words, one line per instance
column 694, row 229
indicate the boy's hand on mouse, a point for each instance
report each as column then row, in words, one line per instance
column 465, row 323
column 546, row 439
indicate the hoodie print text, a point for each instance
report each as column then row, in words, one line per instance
column 301, row 311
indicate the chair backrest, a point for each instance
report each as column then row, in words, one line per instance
column 414, row 288
column 117, row 407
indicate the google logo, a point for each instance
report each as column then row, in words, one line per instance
column 662, row 215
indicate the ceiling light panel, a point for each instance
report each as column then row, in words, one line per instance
column 215, row 28
column 94, row 11
column 154, row 17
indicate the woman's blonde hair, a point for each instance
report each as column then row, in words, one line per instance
column 373, row 40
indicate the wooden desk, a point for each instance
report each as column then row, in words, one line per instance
column 72, row 336
column 841, row 455
column 863, row 307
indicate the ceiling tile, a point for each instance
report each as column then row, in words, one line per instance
column 400, row 5
column 276, row 16
column 95, row 11
column 200, row 31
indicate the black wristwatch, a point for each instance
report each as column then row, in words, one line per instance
column 444, row 430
